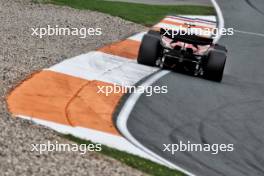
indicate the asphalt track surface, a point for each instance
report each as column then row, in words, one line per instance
column 202, row 111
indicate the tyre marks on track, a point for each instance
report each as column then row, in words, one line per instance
column 254, row 6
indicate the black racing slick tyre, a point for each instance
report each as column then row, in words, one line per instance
column 214, row 68
column 154, row 33
column 220, row 47
column 149, row 50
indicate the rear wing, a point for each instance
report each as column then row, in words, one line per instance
column 203, row 26
column 187, row 38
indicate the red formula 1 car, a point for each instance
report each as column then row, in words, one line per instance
column 188, row 53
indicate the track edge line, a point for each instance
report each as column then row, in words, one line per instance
column 123, row 115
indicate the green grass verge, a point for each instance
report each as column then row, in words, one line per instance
column 139, row 13
column 133, row 161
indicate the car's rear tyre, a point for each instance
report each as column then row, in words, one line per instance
column 220, row 47
column 154, row 33
column 149, row 50
column 214, row 68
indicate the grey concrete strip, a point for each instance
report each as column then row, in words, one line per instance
column 201, row 111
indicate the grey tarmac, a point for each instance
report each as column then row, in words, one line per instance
column 207, row 112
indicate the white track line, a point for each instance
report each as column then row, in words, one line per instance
column 123, row 116
column 220, row 19
column 124, row 113
column 249, row 33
